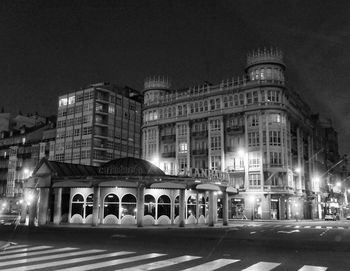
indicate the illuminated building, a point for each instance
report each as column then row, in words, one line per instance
column 97, row 124
column 252, row 127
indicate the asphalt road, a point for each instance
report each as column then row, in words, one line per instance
column 286, row 245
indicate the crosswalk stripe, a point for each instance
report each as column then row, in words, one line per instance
column 7, row 252
column 101, row 264
column 15, row 247
column 297, row 227
column 341, row 228
column 160, row 264
column 329, row 227
column 312, row 268
column 307, row 227
column 213, row 265
column 50, row 257
column 262, row 266
column 29, row 254
column 318, row 227
column 288, row 226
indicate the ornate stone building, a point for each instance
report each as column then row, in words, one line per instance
column 253, row 128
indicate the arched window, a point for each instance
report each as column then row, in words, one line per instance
column 150, row 205
column 128, row 205
column 235, row 98
column 191, row 206
column 177, row 206
column 78, row 205
column 164, row 206
column 111, row 205
column 89, row 204
column 202, row 208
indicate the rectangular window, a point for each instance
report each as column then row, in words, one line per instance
column 253, row 139
column 215, row 125
column 254, row 160
column 215, row 143
column 215, row 163
column 275, row 138
column 254, row 179
column 183, row 147
column 275, row 159
column 253, row 120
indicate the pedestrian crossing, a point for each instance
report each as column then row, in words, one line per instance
column 23, row 257
column 325, row 227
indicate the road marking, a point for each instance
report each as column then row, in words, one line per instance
column 213, row 265
column 297, row 227
column 341, row 228
column 329, row 227
column 288, row 226
column 104, row 264
column 312, row 268
column 160, row 264
column 262, row 266
column 318, row 227
column 23, row 250
column 50, row 257
column 39, row 253
column 307, row 227
column 288, row 232
column 63, row 262
column 15, row 247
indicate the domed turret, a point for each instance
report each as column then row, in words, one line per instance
column 266, row 64
column 155, row 87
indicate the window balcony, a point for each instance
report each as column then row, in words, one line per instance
column 235, row 130
column 200, row 152
column 168, row 137
column 199, row 134
column 168, row 154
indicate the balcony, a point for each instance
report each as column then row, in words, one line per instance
column 199, row 134
column 235, row 130
column 278, row 189
column 200, row 152
column 168, row 137
column 168, row 154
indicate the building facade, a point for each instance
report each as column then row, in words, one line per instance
column 254, row 127
column 97, row 124
column 22, row 146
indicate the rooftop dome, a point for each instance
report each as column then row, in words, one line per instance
column 130, row 166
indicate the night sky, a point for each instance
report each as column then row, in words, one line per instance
column 48, row 48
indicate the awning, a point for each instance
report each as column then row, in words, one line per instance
column 232, row 190
column 208, row 187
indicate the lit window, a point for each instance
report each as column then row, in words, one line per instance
column 183, row 147
column 63, row 102
column 71, row 100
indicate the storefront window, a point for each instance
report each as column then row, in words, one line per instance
column 164, row 206
column 128, row 205
column 89, row 205
column 191, row 206
column 201, row 204
column 78, row 205
column 177, row 206
column 150, row 206
column 111, row 205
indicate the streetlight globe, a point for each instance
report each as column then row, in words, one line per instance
column 339, row 184
column 240, row 152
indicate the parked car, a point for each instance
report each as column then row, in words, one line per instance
column 348, row 217
column 330, row 217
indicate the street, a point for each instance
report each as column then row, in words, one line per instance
column 242, row 245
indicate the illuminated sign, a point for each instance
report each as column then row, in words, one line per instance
column 121, row 170
column 205, row 173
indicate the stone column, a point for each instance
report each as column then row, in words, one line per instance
column 43, row 205
column 96, row 203
column 140, row 208
column 212, row 207
column 197, row 206
column 182, row 208
column 101, row 214
column 225, row 209
column 57, row 215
